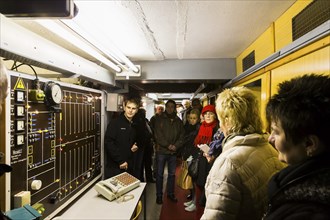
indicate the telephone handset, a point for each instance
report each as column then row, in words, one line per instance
column 108, row 188
column 112, row 185
column 116, row 186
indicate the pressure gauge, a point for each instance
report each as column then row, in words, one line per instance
column 54, row 94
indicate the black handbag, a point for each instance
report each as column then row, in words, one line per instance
column 193, row 167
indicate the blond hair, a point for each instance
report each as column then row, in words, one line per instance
column 240, row 109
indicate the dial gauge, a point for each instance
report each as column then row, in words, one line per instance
column 54, row 94
column 57, row 94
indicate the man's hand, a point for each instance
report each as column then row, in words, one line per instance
column 134, row 147
column 123, row 166
column 172, row 147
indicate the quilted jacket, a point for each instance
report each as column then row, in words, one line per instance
column 236, row 187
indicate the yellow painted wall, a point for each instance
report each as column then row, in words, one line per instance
column 283, row 25
column 312, row 58
column 277, row 36
column 316, row 62
column 263, row 47
column 261, row 93
column 205, row 102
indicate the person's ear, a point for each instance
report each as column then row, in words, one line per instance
column 312, row 144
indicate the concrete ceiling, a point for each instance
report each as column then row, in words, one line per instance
column 159, row 30
column 156, row 32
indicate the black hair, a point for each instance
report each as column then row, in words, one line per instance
column 170, row 101
column 195, row 101
column 302, row 106
column 173, row 102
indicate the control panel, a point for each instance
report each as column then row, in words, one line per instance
column 55, row 141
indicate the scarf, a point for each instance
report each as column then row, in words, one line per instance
column 205, row 133
column 216, row 142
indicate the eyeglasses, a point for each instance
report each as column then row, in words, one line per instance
column 209, row 114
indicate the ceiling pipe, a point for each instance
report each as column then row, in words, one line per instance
column 199, row 89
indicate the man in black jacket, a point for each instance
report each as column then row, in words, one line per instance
column 120, row 141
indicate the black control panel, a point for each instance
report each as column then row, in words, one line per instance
column 55, row 146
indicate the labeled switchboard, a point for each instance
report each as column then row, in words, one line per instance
column 55, row 141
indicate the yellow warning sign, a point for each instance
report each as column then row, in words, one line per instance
column 19, row 84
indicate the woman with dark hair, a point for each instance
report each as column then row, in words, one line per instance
column 299, row 116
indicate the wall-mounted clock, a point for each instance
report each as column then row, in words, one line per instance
column 54, row 93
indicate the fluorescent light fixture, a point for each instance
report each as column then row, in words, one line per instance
column 85, row 35
column 114, row 53
column 66, row 35
column 129, row 73
column 93, row 18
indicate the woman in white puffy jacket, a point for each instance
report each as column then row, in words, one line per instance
column 236, row 187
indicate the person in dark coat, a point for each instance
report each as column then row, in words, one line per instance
column 189, row 150
column 148, row 155
column 143, row 155
column 299, row 116
column 158, row 112
column 120, row 141
column 168, row 134
column 185, row 112
column 191, row 131
column 207, row 129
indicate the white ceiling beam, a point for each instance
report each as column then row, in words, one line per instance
column 197, row 69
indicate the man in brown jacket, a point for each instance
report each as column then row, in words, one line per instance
column 168, row 134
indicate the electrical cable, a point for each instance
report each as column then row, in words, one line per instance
column 14, row 67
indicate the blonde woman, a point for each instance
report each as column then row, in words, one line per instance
column 236, row 187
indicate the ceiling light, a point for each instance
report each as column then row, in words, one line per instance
column 66, row 35
column 114, row 54
column 81, row 25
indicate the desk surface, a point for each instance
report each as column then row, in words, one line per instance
column 94, row 206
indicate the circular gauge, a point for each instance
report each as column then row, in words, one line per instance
column 54, row 94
